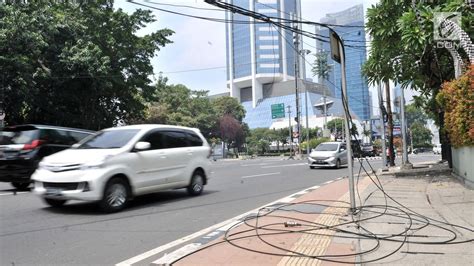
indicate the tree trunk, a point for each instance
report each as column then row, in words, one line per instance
column 390, row 124
column 446, row 153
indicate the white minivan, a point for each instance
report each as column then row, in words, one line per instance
column 116, row 164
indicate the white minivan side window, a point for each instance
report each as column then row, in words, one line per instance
column 155, row 138
column 194, row 139
column 174, row 139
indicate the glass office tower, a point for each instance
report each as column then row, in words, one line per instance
column 259, row 53
column 356, row 52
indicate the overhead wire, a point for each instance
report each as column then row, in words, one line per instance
column 412, row 221
column 262, row 19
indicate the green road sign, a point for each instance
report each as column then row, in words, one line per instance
column 278, row 110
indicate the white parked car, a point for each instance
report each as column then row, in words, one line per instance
column 116, row 164
column 437, row 149
column 328, row 154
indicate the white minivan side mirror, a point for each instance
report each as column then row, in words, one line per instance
column 142, row 145
column 75, row 146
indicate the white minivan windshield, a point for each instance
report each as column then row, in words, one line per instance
column 110, row 139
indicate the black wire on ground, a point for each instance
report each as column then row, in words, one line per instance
column 412, row 220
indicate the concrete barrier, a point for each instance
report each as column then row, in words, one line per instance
column 463, row 166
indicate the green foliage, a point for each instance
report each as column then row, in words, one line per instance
column 403, row 49
column 321, row 68
column 421, row 135
column 178, row 105
column 313, row 143
column 313, row 132
column 229, row 106
column 414, row 114
column 79, row 65
column 335, row 125
column 457, row 97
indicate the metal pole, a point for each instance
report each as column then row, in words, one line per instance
column 348, row 131
column 296, row 44
column 405, row 162
column 384, row 149
column 325, row 110
column 289, row 131
column 307, row 119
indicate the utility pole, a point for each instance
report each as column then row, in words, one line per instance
column 296, row 45
column 405, row 163
column 384, row 149
column 325, row 110
column 307, row 120
column 338, row 54
column 289, row 132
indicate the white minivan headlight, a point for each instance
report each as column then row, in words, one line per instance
column 92, row 165
column 96, row 164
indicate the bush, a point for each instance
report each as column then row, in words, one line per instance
column 457, row 98
column 313, row 143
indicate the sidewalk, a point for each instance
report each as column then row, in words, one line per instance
column 315, row 227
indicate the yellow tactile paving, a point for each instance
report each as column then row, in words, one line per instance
column 314, row 244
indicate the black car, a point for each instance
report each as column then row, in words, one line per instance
column 22, row 148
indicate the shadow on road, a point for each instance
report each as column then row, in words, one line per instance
column 139, row 202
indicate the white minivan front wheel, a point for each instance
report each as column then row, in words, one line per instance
column 116, row 194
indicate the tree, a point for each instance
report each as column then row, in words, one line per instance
column 385, row 46
column 230, row 129
column 178, row 105
column 229, row 106
column 421, row 135
column 321, row 68
column 404, row 50
column 80, row 65
column 336, row 126
column 415, row 114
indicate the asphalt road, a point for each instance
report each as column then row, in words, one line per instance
column 32, row 233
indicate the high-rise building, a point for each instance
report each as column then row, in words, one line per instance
column 261, row 69
column 355, row 51
column 259, row 53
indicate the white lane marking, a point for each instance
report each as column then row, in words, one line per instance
column 283, row 165
column 255, row 164
column 204, row 231
column 249, row 176
column 177, row 254
column 11, row 193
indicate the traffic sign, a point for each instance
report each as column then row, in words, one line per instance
column 278, row 110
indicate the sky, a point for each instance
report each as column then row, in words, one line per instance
column 197, row 56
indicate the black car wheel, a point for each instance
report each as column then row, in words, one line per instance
column 116, row 194
column 338, row 164
column 54, row 202
column 20, row 186
column 197, row 184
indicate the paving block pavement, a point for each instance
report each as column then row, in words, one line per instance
column 406, row 223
